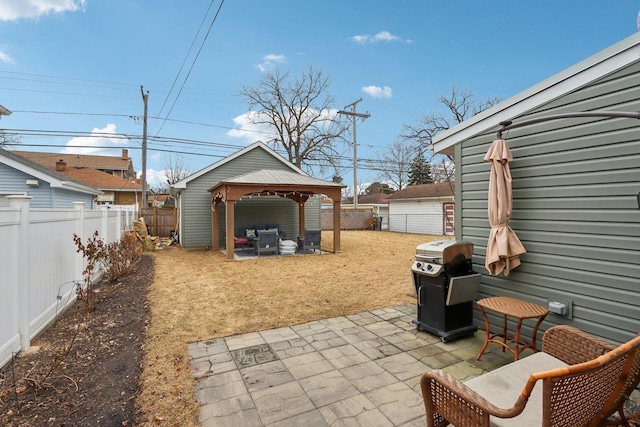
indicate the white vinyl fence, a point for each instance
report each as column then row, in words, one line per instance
column 39, row 264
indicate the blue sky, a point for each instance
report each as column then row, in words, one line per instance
column 72, row 67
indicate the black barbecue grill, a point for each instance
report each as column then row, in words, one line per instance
column 446, row 286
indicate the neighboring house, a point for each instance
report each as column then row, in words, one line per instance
column 576, row 184
column 254, row 166
column 159, row 200
column 113, row 175
column 121, row 167
column 48, row 188
column 376, row 203
column 423, row 209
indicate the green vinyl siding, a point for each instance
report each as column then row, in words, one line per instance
column 196, row 202
column 575, row 210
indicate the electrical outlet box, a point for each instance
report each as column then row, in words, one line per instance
column 560, row 307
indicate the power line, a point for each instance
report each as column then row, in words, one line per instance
column 215, row 17
column 136, row 117
column 184, row 61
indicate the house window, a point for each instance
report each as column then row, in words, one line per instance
column 107, row 198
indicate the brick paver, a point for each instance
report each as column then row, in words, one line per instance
column 357, row 370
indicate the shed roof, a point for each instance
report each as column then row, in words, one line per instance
column 603, row 63
column 257, row 145
column 424, row 191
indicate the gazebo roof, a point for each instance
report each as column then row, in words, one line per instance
column 277, row 177
column 274, row 182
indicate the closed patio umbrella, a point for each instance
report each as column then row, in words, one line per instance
column 503, row 248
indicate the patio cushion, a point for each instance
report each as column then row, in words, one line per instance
column 250, row 233
column 503, row 386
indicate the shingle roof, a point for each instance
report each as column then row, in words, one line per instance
column 442, row 189
column 44, row 170
column 99, row 179
column 369, row 199
column 78, row 160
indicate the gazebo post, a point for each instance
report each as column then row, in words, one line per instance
column 215, row 233
column 336, row 225
column 230, row 221
column 301, row 218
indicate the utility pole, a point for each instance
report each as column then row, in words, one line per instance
column 354, row 115
column 145, row 99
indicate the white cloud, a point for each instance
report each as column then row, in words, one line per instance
column 6, row 58
column 11, row 10
column 248, row 130
column 155, row 179
column 382, row 36
column 378, row 92
column 252, row 132
column 96, row 143
column 270, row 60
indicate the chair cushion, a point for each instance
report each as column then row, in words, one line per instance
column 502, row 387
column 250, row 233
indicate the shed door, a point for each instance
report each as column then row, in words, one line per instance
column 448, row 211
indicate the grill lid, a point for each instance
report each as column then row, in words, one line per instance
column 443, row 251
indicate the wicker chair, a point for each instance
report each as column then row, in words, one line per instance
column 583, row 382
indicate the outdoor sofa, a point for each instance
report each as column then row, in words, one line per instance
column 251, row 233
column 576, row 380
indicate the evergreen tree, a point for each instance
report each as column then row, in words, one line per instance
column 378, row 187
column 420, row 170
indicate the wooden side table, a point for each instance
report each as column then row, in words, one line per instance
column 515, row 308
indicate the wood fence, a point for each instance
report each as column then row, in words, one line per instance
column 40, row 265
column 160, row 221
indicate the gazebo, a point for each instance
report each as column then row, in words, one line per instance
column 268, row 182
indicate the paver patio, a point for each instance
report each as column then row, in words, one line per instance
column 357, row 370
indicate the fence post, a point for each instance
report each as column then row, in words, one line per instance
column 22, row 203
column 118, row 225
column 104, row 225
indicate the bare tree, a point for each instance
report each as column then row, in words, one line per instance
column 394, row 164
column 300, row 113
column 461, row 104
column 7, row 139
column 175, row 169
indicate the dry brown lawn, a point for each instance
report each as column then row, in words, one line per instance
column 199, row 295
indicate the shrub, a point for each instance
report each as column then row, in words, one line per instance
column 114, row 260
column 122, row 256
column 94, row 252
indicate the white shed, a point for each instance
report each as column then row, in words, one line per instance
column 423, row 209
